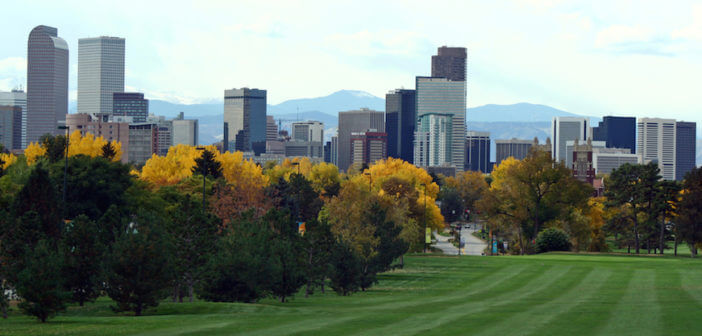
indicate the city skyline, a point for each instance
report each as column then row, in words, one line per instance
column 599, row 59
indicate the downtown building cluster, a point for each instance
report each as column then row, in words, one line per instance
column 425, row 126
column 103, row 107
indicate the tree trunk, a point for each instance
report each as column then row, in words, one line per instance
column 636, row 233
column 675, row 253
column 191, row 291
column 321, row 287
column 521, row 242
column 175, row 293
column 693, row 250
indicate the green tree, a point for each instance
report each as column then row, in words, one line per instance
column 39, row 195
column 83, row 253
column 93, row 185
column 451, row 204
column 690, row 210
column 287, row 268
column 206, row 165
column 193, row 232
column 40, row 283
column 55, row 146
column 346, row 270
column 552, row 239
column 666, row 200
column 240, row 269
column 108, row 151
column 138, row 265
column 317, row 244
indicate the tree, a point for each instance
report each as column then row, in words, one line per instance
column 666, row 200
column 108, row 151
column 206, row 165
column 137, row 266
column 193, row 232
column 690, row 210
column 317, row 244
column 240, row 269
column 286, row 261
column 552, row 239
column 83, row 253
column 40, row 283
column 39, row 195
column 55, row 146
column 470, row 185
column 451, row 204
column 346, row 270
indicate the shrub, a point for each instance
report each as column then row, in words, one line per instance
column 552, row 239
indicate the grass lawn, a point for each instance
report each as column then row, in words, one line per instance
column 554, row 294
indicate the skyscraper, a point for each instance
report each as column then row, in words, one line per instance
column 312, row 131
column 564, row 129
column 130, row 104
column 17, row 98
column 10, row 126
column 271, row 129
column 245, row 120
column 47, row 82
column 445, row 98
column 478, row 152
column 617, row 132
column 400, row 123
column 355, row 121
column 515, row 148
column 368, row 147
column 656, row 143
column 685, row 148
column 100, row 73
column 449, row 63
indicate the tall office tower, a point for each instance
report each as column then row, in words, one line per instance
column 447, row 99
column 17, row 98
column 433, row 140
column 617, row 132
column 100, row 73
column 564, row 129
column 450, row 63
column 143, row 142
column 130, row 104
column 245, row 118
column 185, row 132
column 400, row 123
column 10, row 126
column 478, row 152
column 327, row 152
column 355, row 121
column 334, row 155
column 605, row 160
column 518, row 149
column 685, row 148
column 47, row 82
column 271, row 129
column 656, row 143
column 312, row 131
column 368, row 147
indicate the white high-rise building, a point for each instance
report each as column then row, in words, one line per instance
column 441, row 105
column 564, row 129
column 312, row 131
column 100, row 73
column 656, row 143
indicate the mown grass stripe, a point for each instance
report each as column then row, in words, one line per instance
column 638, row 308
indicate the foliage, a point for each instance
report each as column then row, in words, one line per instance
column 83, row 252
column 286, row 260
column 346, row 270
column 33, row 152
column 470, row 185
column 240, row 268
column 39, row 195
column 89, row 145
column 690, row 209
column 40, row 282
column 206, row 165
column 317, row 245
column 55, row 147
column 552, row 239
column 6, row 160
column 137, row 266
column 451, row 204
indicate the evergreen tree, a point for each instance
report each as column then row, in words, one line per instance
column 317, row 244
column 39, row 195
column 240, row 269
column 40, row 283
column 83, row 252
column 206, row 165
column 690, row 210
column 137, row 268
column 346, row 270
column 108, row 151
column 287, row 269
column 55, row 146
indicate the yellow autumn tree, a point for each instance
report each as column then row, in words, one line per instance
column 6, row 160
column 172, row 168
column 324, row 176
column 33, row 152
column 303, row 165
column 238, row 171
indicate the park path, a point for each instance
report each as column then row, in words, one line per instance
column 444, row 245
column 473, row 246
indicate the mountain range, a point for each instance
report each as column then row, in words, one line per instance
column 521, row 120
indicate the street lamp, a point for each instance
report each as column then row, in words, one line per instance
column 204, row 174
column 370, row 181
column 297, row 163
column 65, row 169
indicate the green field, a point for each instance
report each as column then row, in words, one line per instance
column 552, row 294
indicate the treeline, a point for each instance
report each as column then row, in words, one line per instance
column 197, row 223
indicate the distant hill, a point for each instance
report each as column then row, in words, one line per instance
column 516, row 112
column 343, row 100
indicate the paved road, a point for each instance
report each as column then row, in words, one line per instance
column 473, row 246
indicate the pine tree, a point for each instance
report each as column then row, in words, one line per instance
column 83, row 253
column 108, row 151
column 286, row 260
column 40, row 284
column 207, row 165
column 318, row 242
column 346, row 270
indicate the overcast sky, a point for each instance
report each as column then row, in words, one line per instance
column 640, row 58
